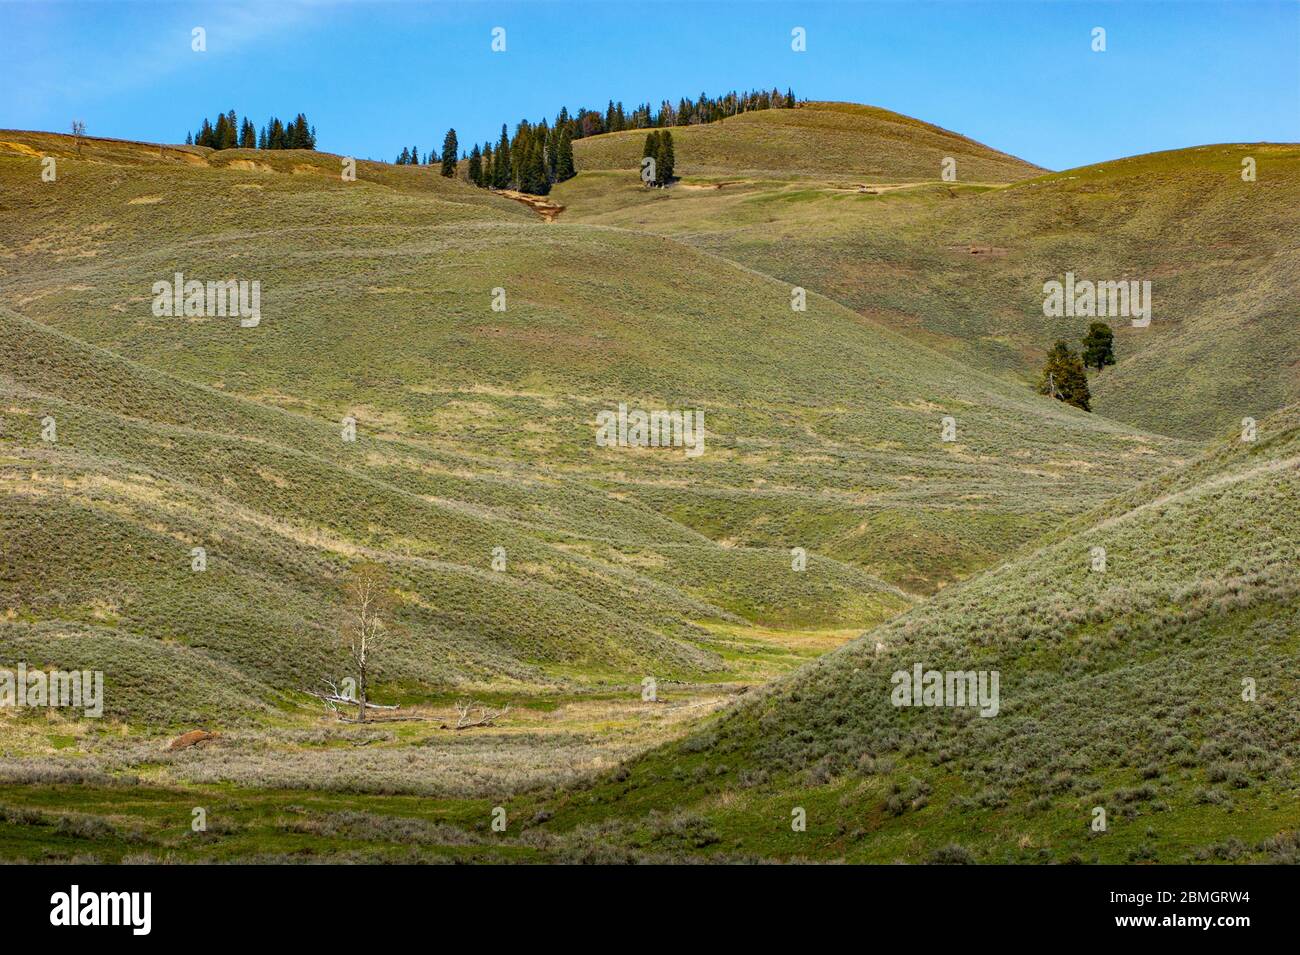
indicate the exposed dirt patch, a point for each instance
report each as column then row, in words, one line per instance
column 144, row 201
column 19, row 148
column 249, row 165
column 548, row 210
column 192, row 738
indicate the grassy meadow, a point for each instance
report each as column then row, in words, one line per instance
column 475, row 437
column 960, row 266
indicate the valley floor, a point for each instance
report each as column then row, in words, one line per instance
column 309, row 784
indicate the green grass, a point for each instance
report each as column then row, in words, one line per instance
column 1120, row 689
column 476, row 430
column 960, row 267
column 838, row 140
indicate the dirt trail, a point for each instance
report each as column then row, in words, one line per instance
column 548, row 210
column 1223, row 480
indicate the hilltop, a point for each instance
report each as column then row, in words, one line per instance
column 841, row 141
column 960, row 267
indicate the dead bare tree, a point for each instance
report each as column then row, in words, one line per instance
column 336, row 698
column 469, row 715
column 78, row 130
column 369, row 601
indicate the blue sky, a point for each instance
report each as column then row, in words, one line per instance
column 374, row 77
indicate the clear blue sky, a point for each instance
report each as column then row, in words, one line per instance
column 373, row 77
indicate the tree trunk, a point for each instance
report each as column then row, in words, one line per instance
column 361, row 695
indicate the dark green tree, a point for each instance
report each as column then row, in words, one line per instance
column 536, row 182
column 475, row 166
column 666, row 160
column 298, row 135
column 651, row 151
column 564, row 157
column 1065, row 378
column 450, row 150
column 1099, row 346
column 501, row 161
column 551, row 156
column 218, row 137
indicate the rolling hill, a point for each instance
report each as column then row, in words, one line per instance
column 377, row 304
column 844, row 141
column 1159, row 688
column 475, row 430
column 475, row 346
column 961, row 266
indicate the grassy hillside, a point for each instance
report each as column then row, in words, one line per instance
column 1122, row 689
column 960, row 267
column 476, row 430
column 823, row 429
column 842, row 141
column 99, row 527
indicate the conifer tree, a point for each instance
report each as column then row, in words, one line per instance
column 1099, row 346
column 1064, row 377
column 666, row 160
column 519, row 152
column 564, row 157
column 219, row 132
column 537, row 184
column 651, row 151
column 475, row 166
column 501, row 161
column 551, row 159
column 450, row 148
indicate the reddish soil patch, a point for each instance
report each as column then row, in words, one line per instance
column 548, row 210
